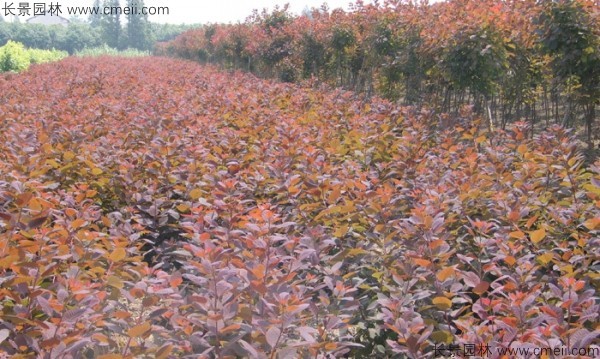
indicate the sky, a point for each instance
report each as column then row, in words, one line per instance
column 204, row 11
column 229, row 10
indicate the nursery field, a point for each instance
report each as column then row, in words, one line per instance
column 156, row 208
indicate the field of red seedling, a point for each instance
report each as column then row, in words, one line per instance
column 154, row 208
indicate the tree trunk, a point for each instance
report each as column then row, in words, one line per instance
column 589, row 122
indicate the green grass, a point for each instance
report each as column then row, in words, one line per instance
column 109, row 51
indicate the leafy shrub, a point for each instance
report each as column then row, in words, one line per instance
column 37, row 56
column 148, row 213
column 15, row 57
column 105, row 50
column 442, row 54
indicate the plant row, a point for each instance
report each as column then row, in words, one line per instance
column 109, row 51
column 511, row 60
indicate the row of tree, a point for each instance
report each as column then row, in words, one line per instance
column 115, row 30
column 134, row 34
column 512, row 59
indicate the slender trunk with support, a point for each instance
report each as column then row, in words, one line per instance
column 589, row 122
column 489, row 113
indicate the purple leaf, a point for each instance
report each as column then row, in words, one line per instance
column 36, row 222
column 4, row 333
column 73, row 315
column 249, row 348
column 306, row 333
column 273, row 336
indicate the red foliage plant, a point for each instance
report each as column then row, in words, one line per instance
column 153, row 207
column 512, row 60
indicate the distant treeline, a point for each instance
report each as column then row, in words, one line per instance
column 78, row 36
column 135, row 33
column 512, row 60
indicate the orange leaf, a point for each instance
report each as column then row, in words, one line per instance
column 531, row 221
column 537, row 236
column 579, row 285
column 546, row 257
column 509, row 287
column 77, row 223
column 35, row 205
column 195, row 194
column 24, row 198
column 591, row 224
column 106, row 221
column 115, row 282
column 442, row 303
column 69, row 155
column 446, row 273
column 183, row 208
column 164, row 351
column 436, row 244
column 510, row 260
column 71, row 212
column 121, row 314
column 331, row 346
column 422, row 262
column 50, row 343
column 118, row 255
column 481, row 288
column 175, row 281
column 512, row 321
column 100, row 338
column 230, row 328
column 139, row 330
column 259, row 271
column 514, row 216
column 517, row 235
column 334, row 195
column 205, row 236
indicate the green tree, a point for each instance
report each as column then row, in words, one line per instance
column 81, row 36
column 111, row 24
column 57, row 35
column 138, row 31
column 32, row 35
column 13, row 57
column 6, row 32
column 570, row 35
column 167, row 32
column 95, row 19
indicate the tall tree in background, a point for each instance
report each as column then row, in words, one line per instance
column 96, row 19
column 137, row 26
column 570, row 35
column 111, row 24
